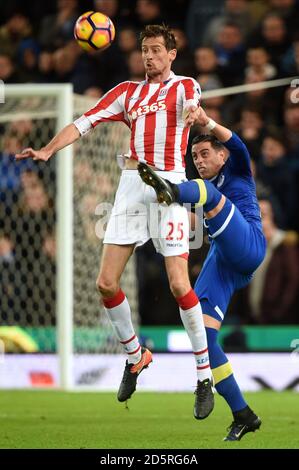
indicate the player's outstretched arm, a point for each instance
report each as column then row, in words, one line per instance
column 65, row 137
column 220, row 132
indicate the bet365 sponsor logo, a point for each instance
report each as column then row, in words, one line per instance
column 146, row 109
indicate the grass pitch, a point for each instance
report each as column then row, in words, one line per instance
column 57, row 420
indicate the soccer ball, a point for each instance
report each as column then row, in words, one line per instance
column 94, row 31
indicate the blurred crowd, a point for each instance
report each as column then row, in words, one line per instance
column 221, row 43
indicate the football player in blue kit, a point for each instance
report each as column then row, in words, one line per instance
column 227, row 193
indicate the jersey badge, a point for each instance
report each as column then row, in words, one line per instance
column 163, row 92
column 221, row 180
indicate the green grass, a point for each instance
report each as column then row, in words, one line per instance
column 42, row 419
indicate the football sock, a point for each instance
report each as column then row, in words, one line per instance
column 119, row 313
column 191, row 315
column 224, row 380
column 244, row 415
column 199, row 192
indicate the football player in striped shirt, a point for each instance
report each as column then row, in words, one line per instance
column 159, row 112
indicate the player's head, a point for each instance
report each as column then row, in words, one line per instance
column 209, row 155
column 158, row 46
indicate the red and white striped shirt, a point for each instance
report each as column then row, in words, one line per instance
column 154, row 113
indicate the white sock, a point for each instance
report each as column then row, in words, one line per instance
column 193, row 322
column 120, row 317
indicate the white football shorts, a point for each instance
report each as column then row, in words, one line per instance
column 136, row 216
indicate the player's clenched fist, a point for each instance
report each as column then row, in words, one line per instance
column 202, row 118
column 190, row 116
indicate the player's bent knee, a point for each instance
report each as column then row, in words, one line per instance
column 179, row 288
column 211, row 322
column 106, row 287
column 213, row 212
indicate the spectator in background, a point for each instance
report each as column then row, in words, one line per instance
column 57, row 30
column 8, row 72
column 274, row 172
column 108, row 7
column 230, row 52
column 265, row 192
column 199, row 15
column 291, row 120
column 291, row 127
column 136, row 66
column 28, row 55
column 46, row 67
column 272, row 295
column 10, row 180
column 290, row 61
column 127, row 43
column 183, row 64
column 13, row 32
column 207, row 74
column 118, row 10
column 148, row 12
column 258, row 9
column 64, row 61
column 258, row 61
column 8, row 289
column 27, row 279
column 266, row 99
column 6, row 249
column 109, row 67
column 288, row 10
column 127, row 40
column 206, row 61
column 47, row 261
column 235, row 11
column 72, row 65
column 251, row 129
column 209, row 82
column 272, row 36
column 34, row 219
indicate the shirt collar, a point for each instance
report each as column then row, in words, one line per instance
column 214, row 177
column 170, row 77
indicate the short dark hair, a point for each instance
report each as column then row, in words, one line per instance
column 277, row 135
column 215, row 143
column 156, row 30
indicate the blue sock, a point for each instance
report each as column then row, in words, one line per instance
column 201, row 192
column 224, row 379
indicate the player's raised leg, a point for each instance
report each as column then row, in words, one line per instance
column 244, row 419
column 224, row 218
column 114, row 260
column 197, row 192
column 191, row 315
